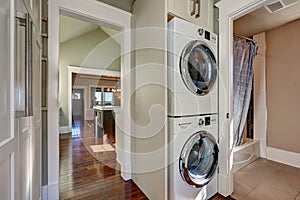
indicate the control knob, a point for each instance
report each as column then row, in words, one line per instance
column 201, row 122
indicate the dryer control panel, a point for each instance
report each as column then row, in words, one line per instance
column 208, row 120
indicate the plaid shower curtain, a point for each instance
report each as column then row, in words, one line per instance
column 244, row 52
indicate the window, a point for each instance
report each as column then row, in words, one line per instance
column 104, row 96
column 96, row 97
column 108, row 96
column 76, row 95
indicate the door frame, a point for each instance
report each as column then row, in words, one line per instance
column 228, row 12
column 102, row 14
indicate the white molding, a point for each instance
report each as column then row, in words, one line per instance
column 53, row 191
column 64, row 129
column 229, row 10
column 94, row 12
column 282, row 156
column 92, row 71
column 45, row 192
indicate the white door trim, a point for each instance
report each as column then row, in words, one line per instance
column 102, row 14
column 229, row 10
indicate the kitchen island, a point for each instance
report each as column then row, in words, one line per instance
column 104, row 121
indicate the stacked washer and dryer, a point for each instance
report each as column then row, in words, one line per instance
column 193, row 151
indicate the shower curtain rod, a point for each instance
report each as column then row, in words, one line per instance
column 244, row 37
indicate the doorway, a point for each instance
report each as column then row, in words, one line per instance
column 92, row 81
column 228, row 14
column 102, row 14
column 77, row 105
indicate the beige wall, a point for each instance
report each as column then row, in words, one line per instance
column 283, row 81
column 149, row 101
column 92, row 50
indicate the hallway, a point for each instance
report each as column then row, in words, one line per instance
column 82, row 176
column 85, row 174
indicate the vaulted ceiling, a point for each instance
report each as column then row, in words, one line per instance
column 71, row 28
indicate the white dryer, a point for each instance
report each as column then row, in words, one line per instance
column 193, row 157
column 192, row 69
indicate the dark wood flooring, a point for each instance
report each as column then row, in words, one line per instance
column 85, row 174
column 220, row 197
column 82, row 176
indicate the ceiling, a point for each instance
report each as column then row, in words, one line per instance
column 71, row 28
column 261, row 20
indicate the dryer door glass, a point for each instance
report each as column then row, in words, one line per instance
column 199, row 159
column 198, row 68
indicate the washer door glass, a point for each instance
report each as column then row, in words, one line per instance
column 199, row 159
column 198, row 68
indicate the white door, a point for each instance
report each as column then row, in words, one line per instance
column 28, row 102
column 20, row 115
column 8, row 136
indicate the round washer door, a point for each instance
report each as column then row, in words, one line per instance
column 199, row 159
column 198, row 68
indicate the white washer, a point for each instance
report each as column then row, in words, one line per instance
column 193, row 157
column 192, row 69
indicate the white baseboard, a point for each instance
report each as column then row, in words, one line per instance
column 125, row 171
column 282, row 156
column 53, row 191
column 224, row 188
column 45, row 192
column 65, row 129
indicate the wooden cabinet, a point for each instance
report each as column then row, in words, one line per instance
column 109, row 125
column 105, row 122
column 184, row 9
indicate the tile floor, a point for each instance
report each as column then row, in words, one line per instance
column 267, row 180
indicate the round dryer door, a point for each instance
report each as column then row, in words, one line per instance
column 198, row 68
column 199, row 159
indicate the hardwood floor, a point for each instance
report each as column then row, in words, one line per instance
column 85, row 174
column 82, row 176
column 220, row 197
